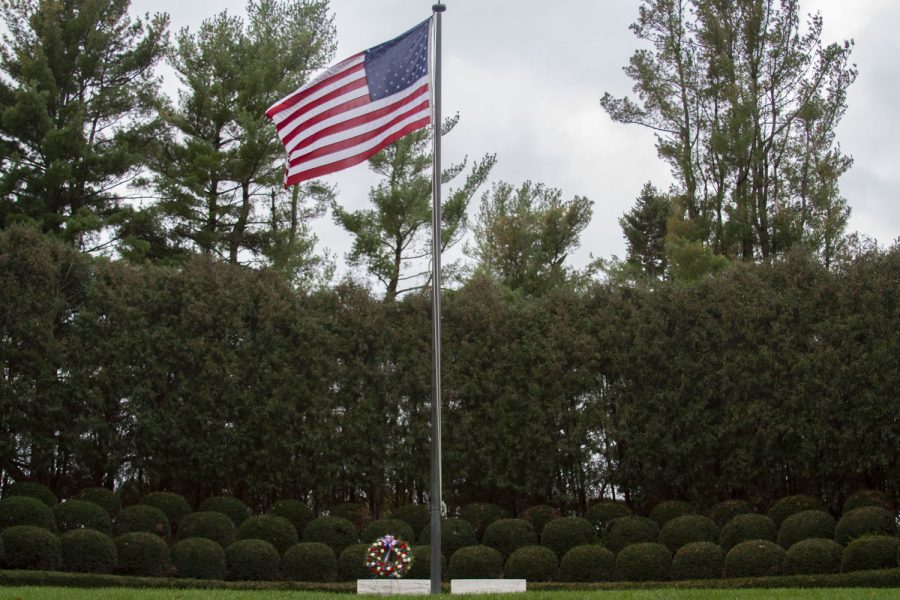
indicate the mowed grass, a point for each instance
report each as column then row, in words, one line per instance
column 62, row 593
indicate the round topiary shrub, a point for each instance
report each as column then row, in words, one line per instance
column 601, row 514
column 861, row 521
column 102, row 497
column 813, row 557
column 455, row 534
column 644, row 562
column 142, row 518
column 383, row 527
column 508, row 535
column 252, row 560
column 532, row 563
column 725, row 511
column 416, row 516
column 80, row 514
column 870, row 552
column 278, row 531
column 26, row 510
column 630, row 530
column 31, row 489
column 298, row 513
column 805, row 525
column 199, row 558
column 229, row 506
column 754, row 558
column 309, row 561
column 481, row 514
column 539, row 516
column 209, row 525
column 790, row 505
column 664, row 512
column 334, row 532
column 88, row 551
column 563, row 534
column 175, row 507
column 476, row 562
column 747, row 527
column 144, row 554
column 686, row 529
column 866, row 498
column 351, row 564
column 30, row 547
column 698, row 560
column 588, row 562
column 355, row 512
column 421, row 564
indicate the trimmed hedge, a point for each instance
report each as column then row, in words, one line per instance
column 563, row 534
column 532, row 563
column 207, row 524
column 335, row 532
column 747, row 527
column 351, row 564
column 102, row 497
column 725, row 511
column 476, row 562
column 88, row 551
column 588, row 562
column 630, row 530
column 870, row 552
column 455, row 534
column 142, row 553
column 382, row 527
column 355, row 512
column 142, row 518
column 601, row 514
column 866, row 498
column 26, row 510
column 754, row 558
column 309, row 561
column 229, row 506
column 790, row 505
column 664, row 512
column 31, row 547
column 298, row 513
column 644, row 562
column 805, row 525
column 813, row 556
column 508, row 535
column 175, row 507
column 539, row 516
column 199, row 558
column 482, row 514
column 862, row 521
column 416, row 516
column 686, row 529
column 78, row 514
column 421, row 565
column 278, row 531
column 31, row 489
column 698, row 560
column 253, row 560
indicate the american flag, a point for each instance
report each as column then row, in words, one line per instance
column 356, row 107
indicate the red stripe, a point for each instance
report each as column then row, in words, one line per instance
column 305, row 92
column 355, row 160
column 333, row 112
column 336, row 93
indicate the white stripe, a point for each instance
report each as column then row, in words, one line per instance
column 332, row 70
column 285, row 114
column 300, row 120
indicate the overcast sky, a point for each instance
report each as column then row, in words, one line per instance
column 526, row 78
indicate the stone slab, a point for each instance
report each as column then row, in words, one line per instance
column 486, row 586
column 393, row 587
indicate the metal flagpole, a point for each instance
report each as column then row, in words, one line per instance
column 436, row 495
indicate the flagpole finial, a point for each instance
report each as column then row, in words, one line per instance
column 439, row 7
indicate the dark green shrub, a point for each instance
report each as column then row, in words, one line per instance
column 199, row 558
column 1, row 549
column 309, row 561
column 563, row 534
column 630, row 530
column 455, row 534
column 334, row 532
column 142, row 518
column 26, row 510
column 686, row 529
column 698, row 560
column 88, row 551
column 252, row 560
column 508, row 535
column 644, row 562
column 31, row 489
column 229, row 506
column 725, row 511
column 421, row 565
column 278, row 531
column 298, row 513
column 481, row 514
column 207, row 524
column 805, row 525
column 664, row 512
column 355, row 512
column 144, row 554
column 539, row 516
column 870, row 552
column 861, row 521
column 31, row 547
column 476, row 562
column 175, row 507
column 416, row 516
column 754, row 558
column 102, row 497
column 531, row 563
column 790, row 505
column 813, row 557
column 382, row 527
column 78, row 514
column 351, row 564
column 747, row 527
column 588, row 562
column 601, row 514
column 866, row 498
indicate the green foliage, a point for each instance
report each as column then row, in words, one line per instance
column 253, row 560
column 863, row 498
column 309, row 561
column 724, row 511
column 175, row 507
column 455, row 534
column 870, row 552
column 335, row 532
column 278, row 531
column 863, row 521
column 142, row 518
column 507, row 535
column 26, row 510
column 665, row 511
column 421, row 565
column 476, row 562
column 698, row 560
column 812, row 557
column 747, row 527
column 105, row 498
column 74, row 514
column 30, row 547
column 395, row 527
column 630, row 530
column 351, row 563
column 31, row 489
column 355, row 512
column 754, row 558
column 88, row 551
column 482, row 514
column 539, row 516
column 417, row 516
column 644, row 562
column 211, row 525
column 805, row 525
column 198, row 558
column 686, row 529
column 232, row 507
column 144, row 554
column 532, row 563
column 563, row 534
column 588, row 562
column 298, row 513
column 602, row 513
column 791, row 505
